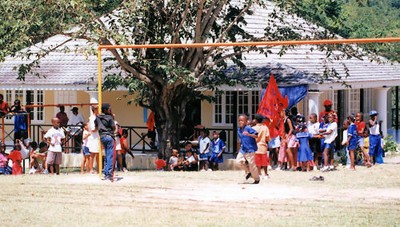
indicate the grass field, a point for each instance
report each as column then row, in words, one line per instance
column 366, row 197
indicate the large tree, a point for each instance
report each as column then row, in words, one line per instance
column 165, row 80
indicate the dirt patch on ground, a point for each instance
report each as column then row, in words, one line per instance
column 205, row 198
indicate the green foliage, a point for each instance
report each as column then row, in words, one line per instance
column 356, row 19
column 26, row 22
column 390, row 145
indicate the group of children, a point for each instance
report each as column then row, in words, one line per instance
column 12, row 163
column 207, row 158
column 303, row 146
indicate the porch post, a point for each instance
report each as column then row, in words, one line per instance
column 381, row 100
column 313, row 102
column 93, row 99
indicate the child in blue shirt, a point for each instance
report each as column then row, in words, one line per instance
column 217, row 148
column 352, row 140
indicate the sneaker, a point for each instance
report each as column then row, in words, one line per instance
column 45, row 171
column 248, row 176
column 124, row 170
column 315, row 168
column 32, row 171
column 331, row 167
column 325, row 169
column 269, row 167
column 256, row 182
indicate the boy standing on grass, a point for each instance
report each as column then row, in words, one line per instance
column 54, row 137
column 248, row 147
column 352, row 141
column 261, row 155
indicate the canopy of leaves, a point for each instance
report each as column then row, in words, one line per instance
column 356, row 19
column 26, row 22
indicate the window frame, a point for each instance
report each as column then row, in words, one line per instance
column 12, row 95
column 222, row 100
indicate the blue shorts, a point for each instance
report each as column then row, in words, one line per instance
column 353, row 145
column 85, row 150
column 329, row 146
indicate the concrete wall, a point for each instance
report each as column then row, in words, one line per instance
column 141, row 162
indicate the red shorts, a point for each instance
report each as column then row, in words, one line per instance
column 261, row 159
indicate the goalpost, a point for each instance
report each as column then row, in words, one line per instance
column 197, row 45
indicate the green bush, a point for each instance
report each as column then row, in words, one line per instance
column 390, row 145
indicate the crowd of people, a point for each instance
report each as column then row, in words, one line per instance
column 47, row 156
column 292, row 144
column 295, row 144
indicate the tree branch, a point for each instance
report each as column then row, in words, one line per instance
column 175, row 36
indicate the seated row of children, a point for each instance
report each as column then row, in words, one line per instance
column 207, row 157
column 12, row 163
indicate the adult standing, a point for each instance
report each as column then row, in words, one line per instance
column 76, row 122
column 93, row 139
column 248, row 147
column 106, row 126
column 327, row 110
column 4, row 108
column 63, row 117
column 20, row 121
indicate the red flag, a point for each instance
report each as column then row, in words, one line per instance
column 150, row 122
column 271, row 105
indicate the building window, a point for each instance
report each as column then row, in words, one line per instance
column 28, row 97
column 247, row 103
column 354, row 101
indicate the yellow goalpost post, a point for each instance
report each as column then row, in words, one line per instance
column 197, row 45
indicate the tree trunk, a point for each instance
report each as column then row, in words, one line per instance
column 170, row 111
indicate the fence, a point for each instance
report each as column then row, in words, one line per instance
column 137, row 137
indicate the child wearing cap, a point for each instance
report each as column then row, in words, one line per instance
column 328, row 110
column 375, row 149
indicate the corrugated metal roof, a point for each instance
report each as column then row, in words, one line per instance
column 59, row 70
column 76, row 70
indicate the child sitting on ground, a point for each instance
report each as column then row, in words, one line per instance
column 38, row 158
column 190, row 164
column 3, row 159
column 160, row 162
column 16, row 158
column 33, row 164
column 174, row 163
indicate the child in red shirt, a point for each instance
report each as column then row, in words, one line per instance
column 16, row 158
column 160, row 162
